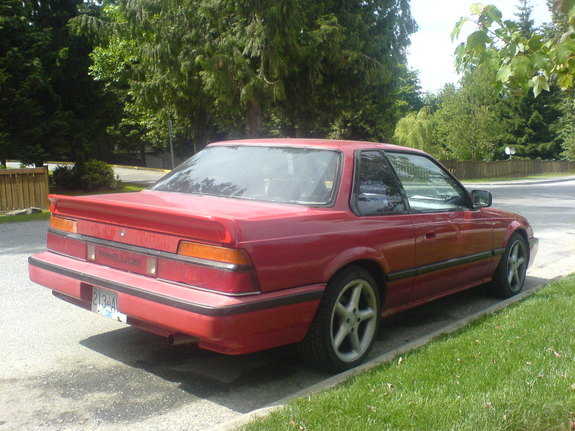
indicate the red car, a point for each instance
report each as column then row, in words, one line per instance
column 250, row 245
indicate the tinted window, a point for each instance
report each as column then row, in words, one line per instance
column 376, row 188
column 428, row 186
column 274, row 174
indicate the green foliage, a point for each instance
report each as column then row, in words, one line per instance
column 491, row 108
column 90, row 175
column 49, row 106
column 517, row 56
column 566, row 125
column 97, row 174
column 66, row 177
column 468, row 123
column 415, row 131
column 232, row 69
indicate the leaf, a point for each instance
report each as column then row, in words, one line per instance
column 457, row 28
column 504, row 73
column 539, row 83
column 460, row 50
column 539, row 60
column 459, row 56
column 521, row 66
column 477, row 9
column 535, row 42
column 561, row 52
column 476, row 41
column 511, row 26
column 493, row 13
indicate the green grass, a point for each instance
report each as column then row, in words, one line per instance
column 44, row 215
column 513, row 370
column 123, row 187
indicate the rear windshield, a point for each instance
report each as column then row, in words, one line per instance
column 274, row 174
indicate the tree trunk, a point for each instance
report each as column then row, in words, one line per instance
column 254, row 119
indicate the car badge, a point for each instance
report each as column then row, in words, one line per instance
column 122, row 232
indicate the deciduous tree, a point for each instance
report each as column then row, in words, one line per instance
column 518, row 58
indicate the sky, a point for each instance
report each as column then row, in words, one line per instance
column 431, row 49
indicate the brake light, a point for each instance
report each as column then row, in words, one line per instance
column 64, row 224
column 233, row 256
column 236, row 276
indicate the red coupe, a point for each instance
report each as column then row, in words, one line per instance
column 254, row 244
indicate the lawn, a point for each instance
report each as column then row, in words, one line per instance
column 512, row 370
column 124, row 187
column 44, row 215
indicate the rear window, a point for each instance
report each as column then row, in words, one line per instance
column 301, row 176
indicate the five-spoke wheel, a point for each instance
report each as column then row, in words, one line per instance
column 509, row 277
column 346, row 322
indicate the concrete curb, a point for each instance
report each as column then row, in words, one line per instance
column 141, row 168
column 386, row 357
column 520, row 182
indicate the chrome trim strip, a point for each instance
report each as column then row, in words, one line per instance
column 151, row 252
column 181, row 304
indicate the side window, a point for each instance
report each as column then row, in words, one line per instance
column 429, row 187
column 376, row 189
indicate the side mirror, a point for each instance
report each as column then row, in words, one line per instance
column 481, row 198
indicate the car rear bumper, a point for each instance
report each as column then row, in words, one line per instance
column 226, row 324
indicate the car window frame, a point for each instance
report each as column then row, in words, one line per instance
column 468, row 202
column 357, row 156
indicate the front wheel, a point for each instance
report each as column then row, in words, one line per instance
column 510, row 275
column 346, row 323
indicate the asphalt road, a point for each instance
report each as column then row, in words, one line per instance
column 63, row 368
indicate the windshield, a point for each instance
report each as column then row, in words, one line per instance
column 273, row 174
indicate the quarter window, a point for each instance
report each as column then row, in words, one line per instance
column 429, row 187
column 376, row 189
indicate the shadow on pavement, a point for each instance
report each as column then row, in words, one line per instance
column 248, row 382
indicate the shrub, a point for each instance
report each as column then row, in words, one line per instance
column 65, row 177
column 91, row 175
column 97, row 174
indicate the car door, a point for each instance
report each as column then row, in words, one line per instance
column 453, row 241
column 384, row 224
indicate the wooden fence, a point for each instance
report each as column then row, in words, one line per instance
column 509, row 168
column 23, row 188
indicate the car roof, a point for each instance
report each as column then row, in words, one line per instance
column 312, row 143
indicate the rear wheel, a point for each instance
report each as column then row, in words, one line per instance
column 346, row 323
column 510, row 275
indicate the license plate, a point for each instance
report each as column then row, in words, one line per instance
column 105, row 303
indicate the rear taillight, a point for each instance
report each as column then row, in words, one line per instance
column 220, row 269
column 60, row 241
column 63, row 224
column 233, row 256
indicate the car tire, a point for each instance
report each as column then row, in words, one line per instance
column 510, row 274
column 346, row 323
